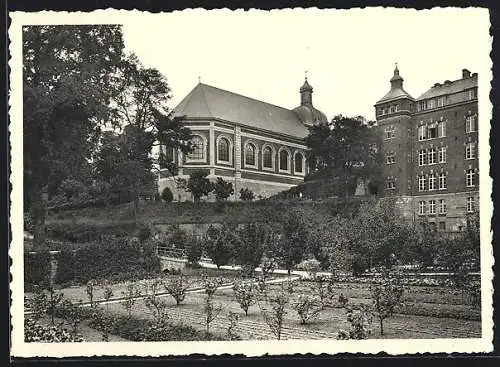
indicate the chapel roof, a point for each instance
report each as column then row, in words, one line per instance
column 206, row 101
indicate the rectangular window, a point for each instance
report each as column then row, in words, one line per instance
column 421, row 208
column 470, row 151
column 392, row 109
column 442, row 154
column 472, row 93
column 470, row 178
column 390, row 157
column 432, row 131
column 421, row 183
column 470, row 204
column 422, row 157
column 441, row 101
column 390, row 132
column 442, row 226
column 432, row 182
column 431, row 103
column 470, row 124
column 422, row 105
column 422, row 132
column 442, row 181
column 432, row 206
column 442, row 129
column 432, row 155
column 442, row 206
column 390, row 184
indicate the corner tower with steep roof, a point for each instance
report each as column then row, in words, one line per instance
column 394, row 118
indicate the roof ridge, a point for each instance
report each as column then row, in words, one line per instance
column 205, row 100
column 241, row 95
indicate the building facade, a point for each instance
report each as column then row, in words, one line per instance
column 430, row 149
column 253, row 144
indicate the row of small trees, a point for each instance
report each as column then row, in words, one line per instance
column 374, row 237
column 199, row 185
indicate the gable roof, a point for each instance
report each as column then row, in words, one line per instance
column 450, row 87
column 205, row 101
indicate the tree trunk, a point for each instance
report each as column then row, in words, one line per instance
column 381, row 327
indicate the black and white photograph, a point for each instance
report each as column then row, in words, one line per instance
column 253, row 182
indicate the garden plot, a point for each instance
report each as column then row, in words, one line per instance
column 329, row 322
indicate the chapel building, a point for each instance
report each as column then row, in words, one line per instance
column 430, row 150
column 253, row 144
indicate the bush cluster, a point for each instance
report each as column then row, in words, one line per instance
column 35, row 332
column 136, row 329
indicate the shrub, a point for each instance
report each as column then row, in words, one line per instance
column 167, row 195
column 130, row 295
column 253, row 241
column 223, row 189
column 194, row 251
column 246, row 194
column 473, row 290
column 219, row 245
column 53, row 300
column 178, row 237
column 274, row 317
column 72, row 314
column 211, row 310
column 199, row 185
column 144, row 233
column 343, row 300
column 155, row 305
column 361, row 321
column 89, row 289
column 36, row 268
column 233, row 322
column 307, row 307
column 386, row 297
column 177, row 287
column 33, row 332
column 38, row 304
column 244, row 294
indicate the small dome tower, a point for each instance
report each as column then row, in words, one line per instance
column 306, row 112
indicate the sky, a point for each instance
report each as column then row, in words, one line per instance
column 349, row 55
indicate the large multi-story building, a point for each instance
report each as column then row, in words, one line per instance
column 253, row 144
column 430, row 150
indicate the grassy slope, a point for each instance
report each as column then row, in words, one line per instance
column 237, row 212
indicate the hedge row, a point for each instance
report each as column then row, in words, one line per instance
column 114, row 259
column 36, row 268
column 88, row 232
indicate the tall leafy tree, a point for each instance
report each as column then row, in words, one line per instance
column 66, row 95
column 140, row 109
column 199, row 185
column 345, row 150
column 255, row 239
column 294, row 242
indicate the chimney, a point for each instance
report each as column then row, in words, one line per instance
column 465, row 74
